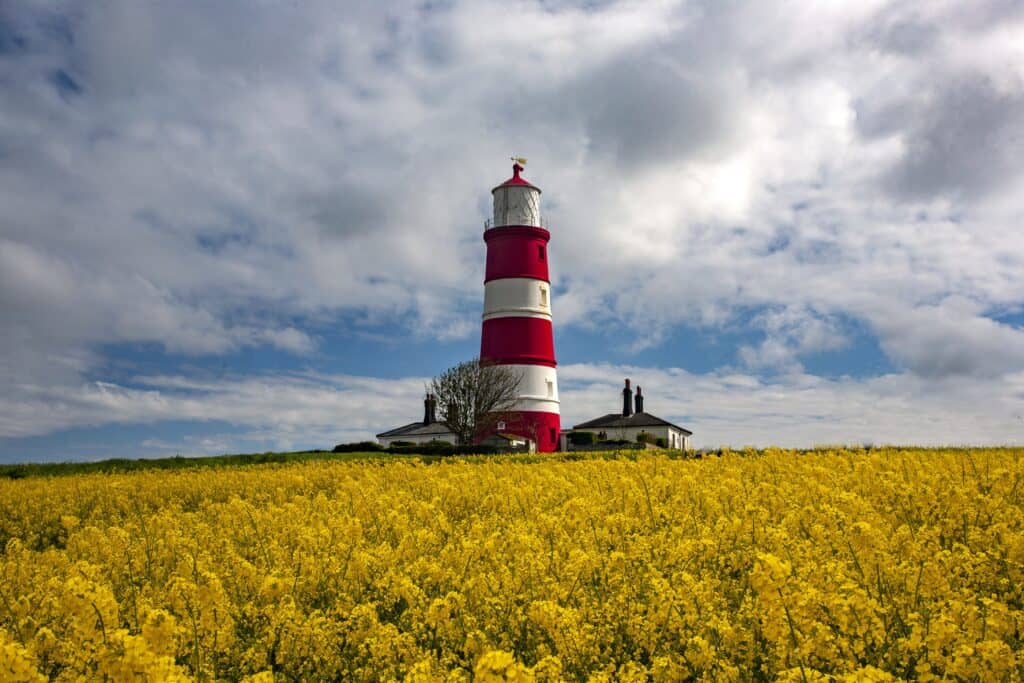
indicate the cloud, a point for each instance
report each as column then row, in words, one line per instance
column 951, row 339
column 309, row 410
column 962, row 137
column 790, row 333
column 663, row 110
column 174, row 176
column 290, row 405
column 801, row 410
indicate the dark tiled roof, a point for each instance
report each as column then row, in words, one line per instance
column 634, row 420
column 419, row 429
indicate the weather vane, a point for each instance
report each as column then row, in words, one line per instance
column 519, row 160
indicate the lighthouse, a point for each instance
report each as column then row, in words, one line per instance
column 517, row 328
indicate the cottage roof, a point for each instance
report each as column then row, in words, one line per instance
column 634, row 420
column 419, row 429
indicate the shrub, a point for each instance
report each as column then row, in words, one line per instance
column 582, row 438
column 357, row 447
column 661, row 441
column 432, row 448
column 442, row 448
column 644, row 437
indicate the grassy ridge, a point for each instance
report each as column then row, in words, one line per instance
column 122, row 465
column 117, row 465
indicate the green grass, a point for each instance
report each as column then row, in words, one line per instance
column 117, row 465
column 21, row 471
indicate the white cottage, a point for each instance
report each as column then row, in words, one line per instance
column 423, row 432
column 625, row 426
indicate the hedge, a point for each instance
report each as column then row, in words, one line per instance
column 358, row 447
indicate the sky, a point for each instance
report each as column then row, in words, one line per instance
column 250, row 226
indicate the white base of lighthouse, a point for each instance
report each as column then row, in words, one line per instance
column 538, row 389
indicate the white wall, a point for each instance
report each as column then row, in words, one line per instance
column 517, row 297
column 630, row 433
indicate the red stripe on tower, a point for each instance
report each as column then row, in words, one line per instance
column 518, row 340
column 517, row 251
column 517, row 327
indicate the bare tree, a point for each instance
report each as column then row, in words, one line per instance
column 474, row 396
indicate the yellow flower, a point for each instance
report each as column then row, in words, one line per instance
column 498, row 665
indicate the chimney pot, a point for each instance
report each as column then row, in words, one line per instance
column 639, row 399
column 627, row 400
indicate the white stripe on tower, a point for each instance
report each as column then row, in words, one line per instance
column 538, row 388
column 517, row 297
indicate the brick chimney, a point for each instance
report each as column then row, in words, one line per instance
column 639, row 400
column 627, row 400
column 429, row 409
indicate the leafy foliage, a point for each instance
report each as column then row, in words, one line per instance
column 582, row 438
column 474, row 396
column 443, row 448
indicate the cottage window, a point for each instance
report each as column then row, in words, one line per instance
column 501, row 426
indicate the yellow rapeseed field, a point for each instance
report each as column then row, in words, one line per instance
column 829, row 565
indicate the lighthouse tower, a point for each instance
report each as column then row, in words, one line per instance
column 517, row 309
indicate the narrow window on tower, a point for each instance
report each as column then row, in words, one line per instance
column 540, row 252
column 551, row 433
column 543, row 296
column 551, row 388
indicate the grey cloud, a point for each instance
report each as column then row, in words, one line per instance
column 348, row 209
column 978, row 16
column 907, row 37
column 958, row 119
column 964, row 140
column 901, row 29
column 647, row 108
column 885, row 111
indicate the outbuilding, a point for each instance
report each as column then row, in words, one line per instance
column 422, row 432
column 632, row 421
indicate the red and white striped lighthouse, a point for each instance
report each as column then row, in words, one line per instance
column 517, row 309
